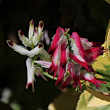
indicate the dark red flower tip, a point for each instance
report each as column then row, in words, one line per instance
column 21, row 33
column 28, row 85
column 10, row 42
column 97, row 44
column 31, row 22
column 40, row 45
column 35, row 30
column 41, row 25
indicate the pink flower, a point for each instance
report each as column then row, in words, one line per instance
column 69, row 55
column 84, row 52
column 72, row 74
column 56, row 39
column 91, row 78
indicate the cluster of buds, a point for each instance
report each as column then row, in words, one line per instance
column 69, row 61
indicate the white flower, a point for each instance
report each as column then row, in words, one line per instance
column 30, row 73
column 33, row 39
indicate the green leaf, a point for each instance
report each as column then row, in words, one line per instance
column 83, row 104
column 106, row 72
column 103, row 88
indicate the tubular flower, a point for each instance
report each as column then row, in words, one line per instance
column 72, row 75
column 37, row 51
column 30, row 73
column 56, row 39
column 91, row 78
column 84, row 52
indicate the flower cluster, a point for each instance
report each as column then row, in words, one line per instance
column 37, row 50
column 69, row 61
column 70, row 55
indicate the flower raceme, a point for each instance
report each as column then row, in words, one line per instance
column 68, row 55
column 37, row 50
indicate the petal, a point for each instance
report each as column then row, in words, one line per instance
column 30, row 73
column 38, row 33
column 36, row 38
column 25, row 40
column 18, row 48
column 57, row 56
column 76, row 37
column 95, row 55
column 36, row 50
column 90, row 77
column 75, row 73
column 65, row 83
column 44, row 64
column 63, row 39
column 81, row 61
column 94, row 50
column 85, row 43
column 60, row 75
column 56, row 39
column 63, row 58
column 31, row 30
column 40, row 27
column 75, row 48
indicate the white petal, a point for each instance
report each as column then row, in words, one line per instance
column 44, row 64
column 25, row 40
column 30, row 73
column 17, row 48
column 86, row 44
column 63, row 39
column 29, row 63
column 40, row 27
column 57, row 56
column 80, row 58
column 88, row 76
column 36, row 50
column 35, row 37
column 75, row 48
column 31, row 29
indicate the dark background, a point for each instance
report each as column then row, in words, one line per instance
column 88, row 17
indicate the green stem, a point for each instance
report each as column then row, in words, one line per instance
column 48, row 75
